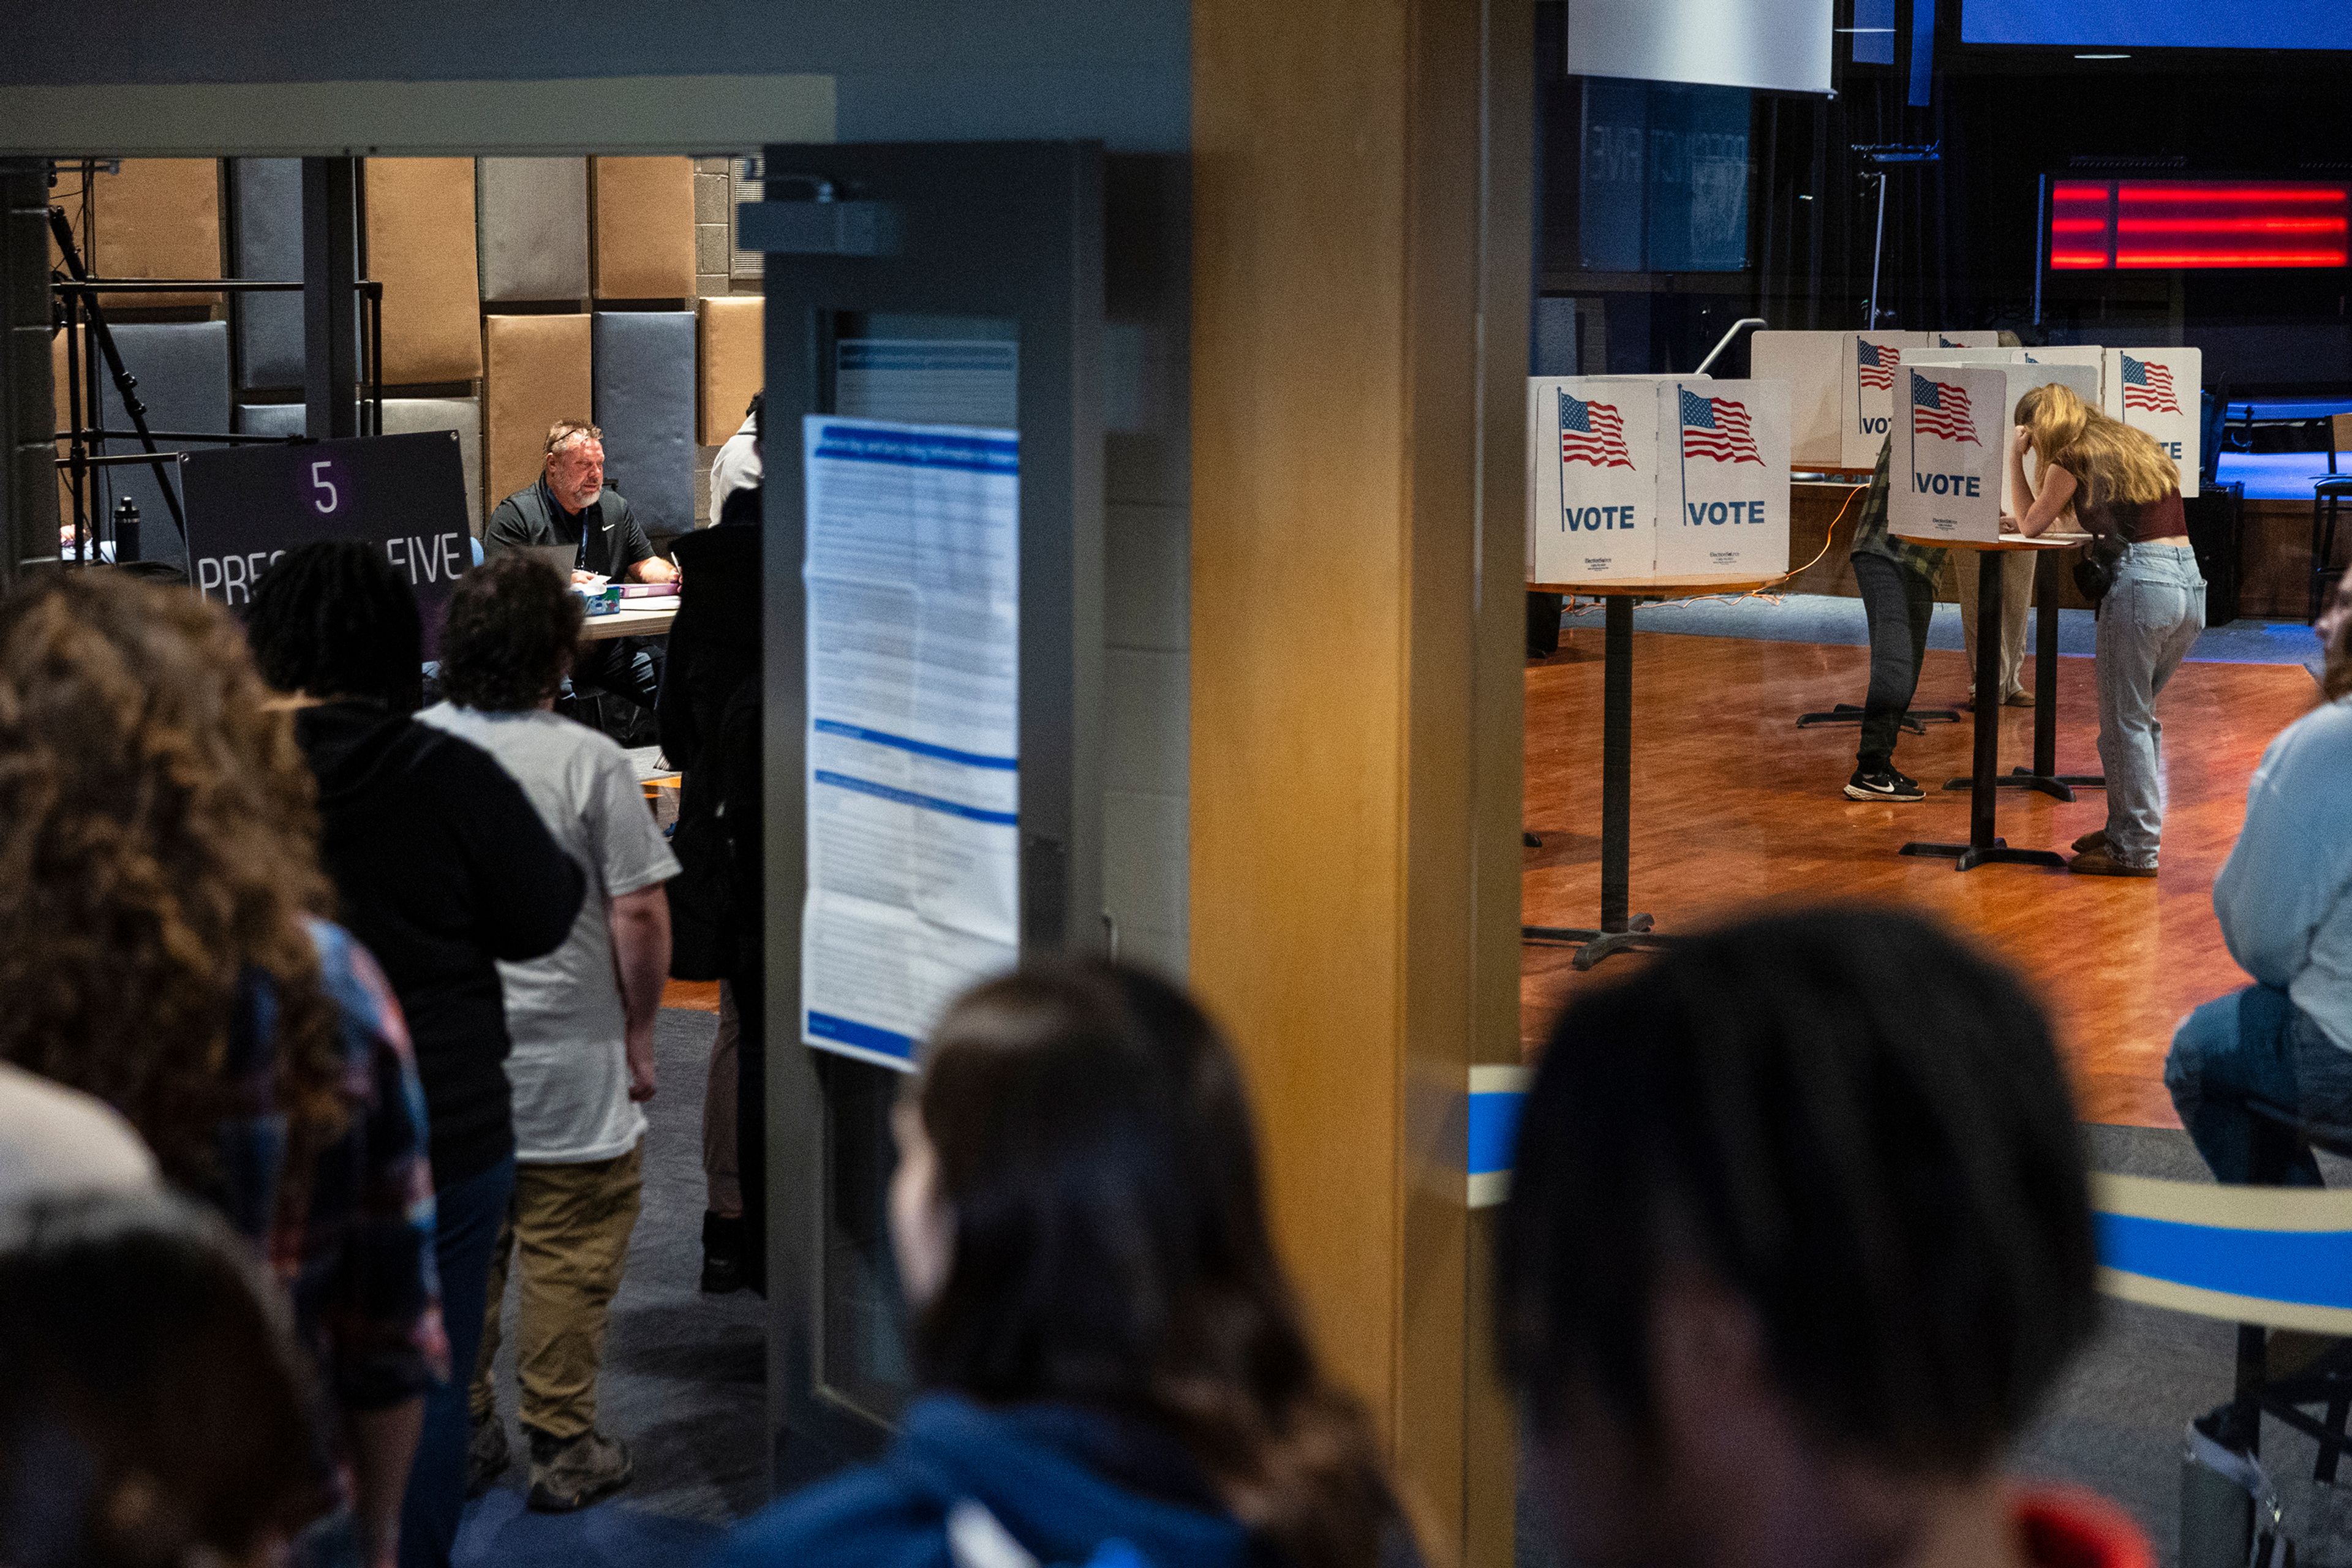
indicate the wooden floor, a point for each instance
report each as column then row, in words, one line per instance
column 1734, row 806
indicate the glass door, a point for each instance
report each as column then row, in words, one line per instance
column 933, row 285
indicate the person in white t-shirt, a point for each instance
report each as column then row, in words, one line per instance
column 582, row 1020
column 739, row 463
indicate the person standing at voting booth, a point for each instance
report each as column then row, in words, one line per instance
column 2141, row 572
column 583, row 1024
column 441, row 867
column 1897, row 581
column 571, row 505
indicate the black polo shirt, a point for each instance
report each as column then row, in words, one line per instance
column 609, row 537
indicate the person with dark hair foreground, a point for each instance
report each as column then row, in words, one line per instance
column 155, row 1410
column 582, row 1020
column 1798, row 1239
column 443, row 870
column 1110, row 1353
column 2285, row 900
column 163, row 948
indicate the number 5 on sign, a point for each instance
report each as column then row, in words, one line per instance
column 328, row 499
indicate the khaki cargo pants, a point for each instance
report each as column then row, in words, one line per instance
column 571, row 1225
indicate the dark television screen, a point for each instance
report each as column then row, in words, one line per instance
column 2160, row 23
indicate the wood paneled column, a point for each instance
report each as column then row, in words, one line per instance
column 1361, row 280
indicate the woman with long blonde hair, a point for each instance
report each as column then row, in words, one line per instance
column 2125, row 493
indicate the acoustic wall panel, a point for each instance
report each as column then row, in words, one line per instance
column 534, row 217
column 731, row 364
column 538, row 374
column 406, row 416
column 420, row 246
column 643, row 227
column 267, row 197
column 160, row 217
column 183, row 371
column 644, row 403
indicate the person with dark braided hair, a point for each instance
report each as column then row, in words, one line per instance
column 163, row 947
column 443, row 869
column 1799, row 1238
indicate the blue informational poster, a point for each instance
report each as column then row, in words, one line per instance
column 913, row 742
column 2160, row 23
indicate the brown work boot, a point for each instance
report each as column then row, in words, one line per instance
column 2018, row 699
column 2094, row 839
column 2099, row 863
column 570, row 1473
column 488, row 1456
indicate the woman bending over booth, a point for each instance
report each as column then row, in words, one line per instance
column 1113, row 1364
column 2143, row 576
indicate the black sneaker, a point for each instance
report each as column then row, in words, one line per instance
column 1884, row 784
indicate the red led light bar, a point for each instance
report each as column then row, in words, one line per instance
column 2096, row 225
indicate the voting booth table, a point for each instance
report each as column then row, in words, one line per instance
column 1644, row 489
column 1948, row 470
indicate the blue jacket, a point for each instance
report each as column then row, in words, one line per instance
column 2286, row 897
column 1045, row 1471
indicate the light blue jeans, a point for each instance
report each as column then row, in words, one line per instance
column 2146, row 625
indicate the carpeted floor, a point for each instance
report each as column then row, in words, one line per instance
column 685, row 1374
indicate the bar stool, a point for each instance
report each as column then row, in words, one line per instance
column 2327, row 498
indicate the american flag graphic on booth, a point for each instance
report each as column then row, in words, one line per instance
column 1717, row 427
column 2147, row 385
column 1940, row 409
column 1875, row 364
column 1592, row 433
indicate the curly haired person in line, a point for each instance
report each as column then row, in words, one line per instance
column 163, row 948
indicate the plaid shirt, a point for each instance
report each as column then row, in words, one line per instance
column 352, row 1240
column 1870, row 535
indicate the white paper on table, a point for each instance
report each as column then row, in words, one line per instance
column 913, row 580
column 1946, row 467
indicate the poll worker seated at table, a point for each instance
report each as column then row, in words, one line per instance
column 2125, row 493
column 1897, row 581
column 570, row 504
column 1797, row 1241
column 2285, row 900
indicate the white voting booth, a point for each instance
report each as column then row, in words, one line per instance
column 1632, row 480
column 1945, row 473
column 1841, row 386
column 2155, row 390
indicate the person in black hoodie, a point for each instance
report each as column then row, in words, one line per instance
column 442, row 868
column 709, row 713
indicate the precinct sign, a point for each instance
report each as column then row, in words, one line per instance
column 404, row 494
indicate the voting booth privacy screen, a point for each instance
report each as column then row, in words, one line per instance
column 913, row 743
column 404, row 495
column 1843, row 400
column 1632, row 480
